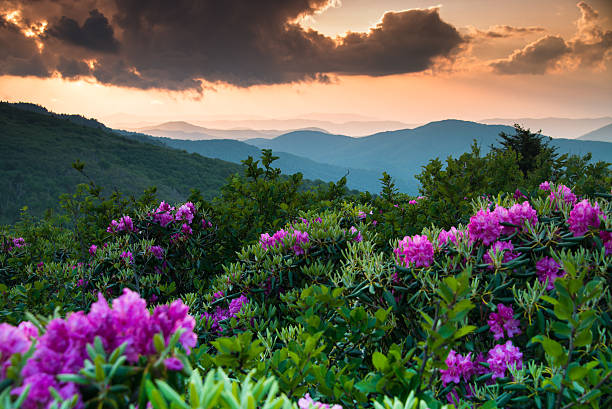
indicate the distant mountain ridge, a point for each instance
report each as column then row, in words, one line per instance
column 603, row 134
column 186, row 130
column 236, row 151
column 570, row 128
column 270, row 127
column 402, row 153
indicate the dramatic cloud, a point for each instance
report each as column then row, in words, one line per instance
column 177, row 45
column 95, row 34
column 505, row 32
column 536, row 58
column 590, row 48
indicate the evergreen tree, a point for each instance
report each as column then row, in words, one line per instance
column 527, row 146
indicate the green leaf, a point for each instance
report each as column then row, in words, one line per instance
column 463, row 331
column 577, row 372
column 584, row 338
column 552, row 348
column 380, row 361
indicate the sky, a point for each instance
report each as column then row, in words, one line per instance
column 406, row 60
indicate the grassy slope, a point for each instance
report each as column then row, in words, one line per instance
column 37, row 151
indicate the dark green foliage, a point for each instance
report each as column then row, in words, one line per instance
column 528, row 147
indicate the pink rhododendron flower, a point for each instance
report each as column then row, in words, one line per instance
column 501, row 357
column 221, row 314
column 125, row 223
column 503, row 321
column 186, row 229
column 416, row 251
column 500, row 246
column 458, row 367
column 63, row 347
column 127, row 257
column 453, row 235
column 583, row 216
column 185, row 213
column 358, row 237
column 13, row 340
column 92, row 250
column 17, row 243
column 563, row 193
column 307, row 403
column 545, row 186
column 484, row 225
column 521, row 213
column 548, row 268
column 173, row 364
column 157, row 251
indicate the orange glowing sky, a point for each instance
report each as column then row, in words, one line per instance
column 466, row 87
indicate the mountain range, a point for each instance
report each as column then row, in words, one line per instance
column 39, row 146
column 603, row 134
column 402, row 153
column 556, row 127
column 186, row 130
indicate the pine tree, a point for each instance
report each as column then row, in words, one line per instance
column 527, row 146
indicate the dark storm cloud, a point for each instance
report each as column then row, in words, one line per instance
column 172, row 45
column 95, row 33
column 590, row 48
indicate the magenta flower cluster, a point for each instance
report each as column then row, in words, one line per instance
column 453, row 235
column 357, row 237
column 221, row 313
column 125, row 223
column 561, row 193
column 583, row 216
column 485, row 224
column 548, row 269
column 458, row 367
column 127, row 257
column 277, row 240
column 14, row 340
column 62, row 349
column 184, row 215
column 503, row 321
column 163, row 214
column 500, row 246
column 503, row 356
column 308, row 403
column 414, row 251
column 157, row 252
column 16, row 243
column 499, row 358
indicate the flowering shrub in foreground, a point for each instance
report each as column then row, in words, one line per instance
column 509, row 311
column 63, row 346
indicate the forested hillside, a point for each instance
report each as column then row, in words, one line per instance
column 37, row 151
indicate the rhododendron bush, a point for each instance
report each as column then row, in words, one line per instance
column 341, row 305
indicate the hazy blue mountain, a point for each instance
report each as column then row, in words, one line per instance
column 235, row 151
column 402, row 153
column 186, row 130
column 555, row 127
column 603, row 134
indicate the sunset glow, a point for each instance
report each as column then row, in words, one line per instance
column 552, row 61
